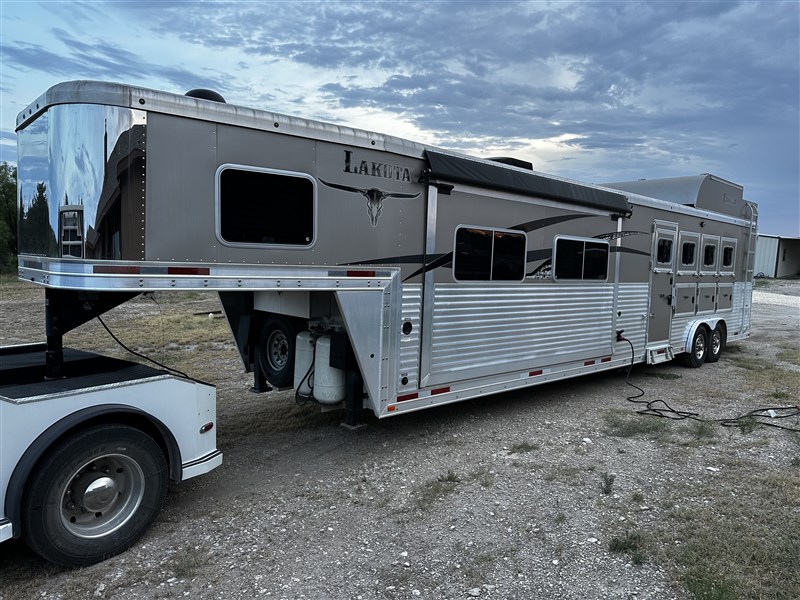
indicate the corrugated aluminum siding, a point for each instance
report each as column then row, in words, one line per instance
column 476, row 327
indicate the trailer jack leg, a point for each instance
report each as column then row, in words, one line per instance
column 353, row 400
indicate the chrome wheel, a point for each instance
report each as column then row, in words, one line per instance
column 699, row 347
column 102, row 496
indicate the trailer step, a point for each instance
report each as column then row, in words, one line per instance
column 659, row 354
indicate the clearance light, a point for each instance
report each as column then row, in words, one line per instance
column 361, row 273
column 207, row 427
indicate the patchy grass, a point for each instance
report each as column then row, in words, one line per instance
column 607, row 483
column 742, row 540
column 483, row 476
column 431, row 492
column 520, row 447
column 631, row 543
column 187, row 562
column 625, row 424
column 700, row 433
column 661, row 375
column 789, row 354
column 762, row 374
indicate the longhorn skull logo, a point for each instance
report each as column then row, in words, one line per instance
column 374, row 197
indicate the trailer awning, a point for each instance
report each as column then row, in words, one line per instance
column 456, row 169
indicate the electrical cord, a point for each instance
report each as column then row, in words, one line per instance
column 301, row 399
column 142, row 356
column 758, row 416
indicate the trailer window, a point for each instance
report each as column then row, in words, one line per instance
column 488, row 255
column 727, row 257
column 664, row 251
column 259, row 207
column 709, row 255
column 581, row 259
column 687, row 254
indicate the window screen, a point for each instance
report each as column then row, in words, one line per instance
column 489, row 255
column 257, row 207
column 581, row 259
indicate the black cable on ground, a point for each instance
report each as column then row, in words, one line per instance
column 758, row 416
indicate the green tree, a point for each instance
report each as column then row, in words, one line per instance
column 9, row 239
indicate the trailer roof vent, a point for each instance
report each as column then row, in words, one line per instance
column 204, row 94
column 514, row 162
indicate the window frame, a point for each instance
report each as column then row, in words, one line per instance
column 583, row 265
column 727, row 243
column 709, row 240
column 267, row 171
column 493, row 231
column 688, row 237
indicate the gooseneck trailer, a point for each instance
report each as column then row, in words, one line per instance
column 363, row 270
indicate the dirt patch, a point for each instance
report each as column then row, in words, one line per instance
column 559, row 491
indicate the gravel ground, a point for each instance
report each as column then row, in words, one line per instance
column 520, row 495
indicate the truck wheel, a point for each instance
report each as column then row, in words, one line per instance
column 276, row 351
column 93, row 494
column 695, row 354
column 716, row 341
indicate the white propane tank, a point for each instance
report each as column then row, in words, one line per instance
column 328, row 381
column 303, row 357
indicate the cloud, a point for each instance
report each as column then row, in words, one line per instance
column 98, row 59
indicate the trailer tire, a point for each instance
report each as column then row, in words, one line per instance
column 93, row 494
column 716, row 342
column 276, row 351
column 697, row 352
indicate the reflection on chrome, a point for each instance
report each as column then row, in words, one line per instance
column 81, row 182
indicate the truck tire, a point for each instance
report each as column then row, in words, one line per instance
column 276, row 351
column 696, row 353
column 93, row 494
column 716, row 342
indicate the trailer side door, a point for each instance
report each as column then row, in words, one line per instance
column 662, row 275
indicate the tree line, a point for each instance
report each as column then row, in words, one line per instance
column 9, row 239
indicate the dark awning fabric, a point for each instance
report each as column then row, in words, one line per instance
column 449, row 168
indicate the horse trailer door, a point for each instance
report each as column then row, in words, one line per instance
column 661, row 281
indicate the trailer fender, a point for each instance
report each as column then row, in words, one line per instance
column 93, row 414
column 691, row 329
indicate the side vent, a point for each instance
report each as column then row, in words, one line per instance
column 204, row 94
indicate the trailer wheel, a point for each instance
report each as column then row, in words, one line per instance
column 696, row 353
column 276, row 351
column 93, row 495
column 716, row 342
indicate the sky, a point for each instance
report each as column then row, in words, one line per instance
column 591, row 91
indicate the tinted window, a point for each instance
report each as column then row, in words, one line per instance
column 489, row 255
column 569, row 259
column 581, row 259
column 687, row 253
column 508, row 258
column 664, row 251
column 266, row 208
column 473, row 258
column 709, row 255
column 727, row 256
column 595, row 261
